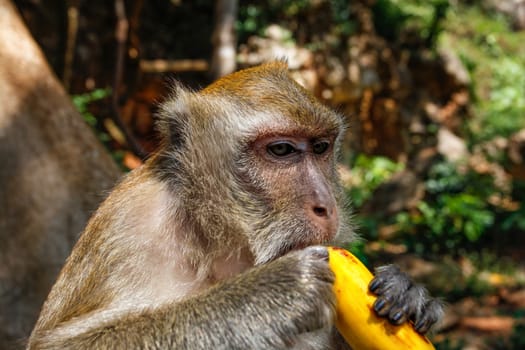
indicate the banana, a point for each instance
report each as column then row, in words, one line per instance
column 356, row 321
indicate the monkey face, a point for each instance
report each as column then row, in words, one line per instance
column 253, row 159
column 291, row 174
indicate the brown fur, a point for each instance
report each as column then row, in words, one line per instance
column 209, row 233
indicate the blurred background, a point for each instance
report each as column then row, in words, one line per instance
column 434, row 93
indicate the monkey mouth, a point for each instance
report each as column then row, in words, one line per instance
column 296, row 235
column 317, row 239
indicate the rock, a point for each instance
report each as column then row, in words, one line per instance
column 515, row 9
column 452, row 147
column 455, row 67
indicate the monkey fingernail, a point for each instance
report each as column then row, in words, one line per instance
column 374, row 285
column 397, row 317
column 320, row 252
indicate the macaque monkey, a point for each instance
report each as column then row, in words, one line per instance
column 216, row 241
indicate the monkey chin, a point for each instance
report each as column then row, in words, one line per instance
column 315, row 236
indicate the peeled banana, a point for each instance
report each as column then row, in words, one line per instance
column 356, row 320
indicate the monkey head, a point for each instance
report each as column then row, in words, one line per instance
column 251, row 158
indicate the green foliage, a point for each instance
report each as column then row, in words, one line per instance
column 420, row 16
column 250, row 21
column 367, row 174
column 255, row 16
column 456, row 215
column 455, row 212
column 341, row 17
column 82, row 103
column 389, row 18
column 503, row 113
column 495, row 58
column 514, row 221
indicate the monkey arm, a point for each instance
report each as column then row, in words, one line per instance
column 266, row 307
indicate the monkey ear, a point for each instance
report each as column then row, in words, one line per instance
column 174, row 116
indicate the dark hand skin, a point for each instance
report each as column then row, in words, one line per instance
column 400, row 300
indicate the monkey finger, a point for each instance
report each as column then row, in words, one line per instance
column 382, row 306
column 318, row 251
column 390, row 280
column 432, row 313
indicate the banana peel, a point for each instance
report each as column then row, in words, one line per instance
column 356, row 320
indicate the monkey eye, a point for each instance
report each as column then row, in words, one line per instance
column 319, row 147
column 281, row 149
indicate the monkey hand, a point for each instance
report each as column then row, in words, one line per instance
column 400, row 300
column 304, row 281
column 267, row 307
column 273, row 304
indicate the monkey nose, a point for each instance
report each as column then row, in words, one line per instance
column 325, row 218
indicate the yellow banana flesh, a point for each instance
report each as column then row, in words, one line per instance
column 356, row 320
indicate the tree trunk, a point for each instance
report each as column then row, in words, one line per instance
column 224, row 41
column 53, row 174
